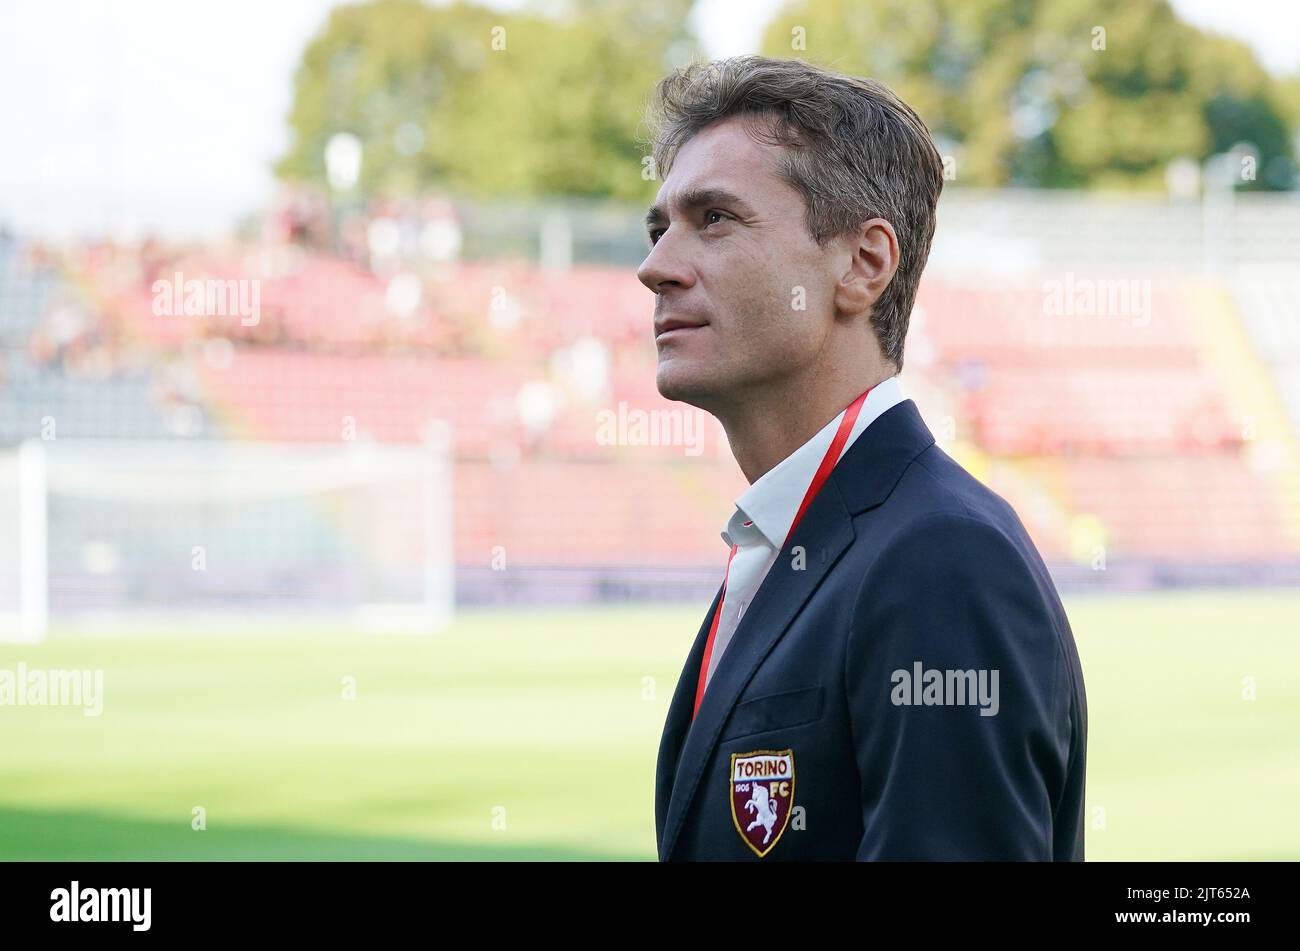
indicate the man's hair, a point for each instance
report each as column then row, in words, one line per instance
column 854, row 151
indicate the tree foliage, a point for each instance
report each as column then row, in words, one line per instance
column 1054, row 93
column 550, row 99
column 481, row 101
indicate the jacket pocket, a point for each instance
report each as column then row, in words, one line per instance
column 776, row 711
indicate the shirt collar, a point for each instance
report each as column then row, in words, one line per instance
column 771, row 503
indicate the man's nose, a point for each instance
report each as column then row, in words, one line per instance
column 664, row 267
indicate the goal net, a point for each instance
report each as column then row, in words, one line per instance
column 109, row 533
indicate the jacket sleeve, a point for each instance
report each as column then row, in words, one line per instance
column 967, row 768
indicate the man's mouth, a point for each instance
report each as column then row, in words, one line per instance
column 675, row 325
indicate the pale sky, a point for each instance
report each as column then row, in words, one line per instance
column 166, row 114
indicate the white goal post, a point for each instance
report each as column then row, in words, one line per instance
column 109, row 532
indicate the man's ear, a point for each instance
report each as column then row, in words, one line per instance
column 873, row 257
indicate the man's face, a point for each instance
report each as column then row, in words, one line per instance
column 733, row 263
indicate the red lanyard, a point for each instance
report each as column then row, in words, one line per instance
column 823, row 471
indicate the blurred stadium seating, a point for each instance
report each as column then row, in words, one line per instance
column 1155, row 445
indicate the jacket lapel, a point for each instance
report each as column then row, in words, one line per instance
column 678, row 722
column 825, row 532
column 862, row 479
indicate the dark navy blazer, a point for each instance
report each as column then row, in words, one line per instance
column 902, row 558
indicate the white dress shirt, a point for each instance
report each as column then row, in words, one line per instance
column 765, row 511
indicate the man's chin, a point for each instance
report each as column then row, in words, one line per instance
column 684, row 385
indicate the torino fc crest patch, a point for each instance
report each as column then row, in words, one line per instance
column 762, row 794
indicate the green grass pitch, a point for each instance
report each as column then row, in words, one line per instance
column 533, row 734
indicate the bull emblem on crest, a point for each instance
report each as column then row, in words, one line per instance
column 762, row 792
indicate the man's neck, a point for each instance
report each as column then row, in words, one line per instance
column 768, row 426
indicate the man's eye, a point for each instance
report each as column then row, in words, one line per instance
column 657, row 233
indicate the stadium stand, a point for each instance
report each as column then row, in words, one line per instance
column 1162, row 433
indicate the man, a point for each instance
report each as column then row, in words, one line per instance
column 887, row 671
